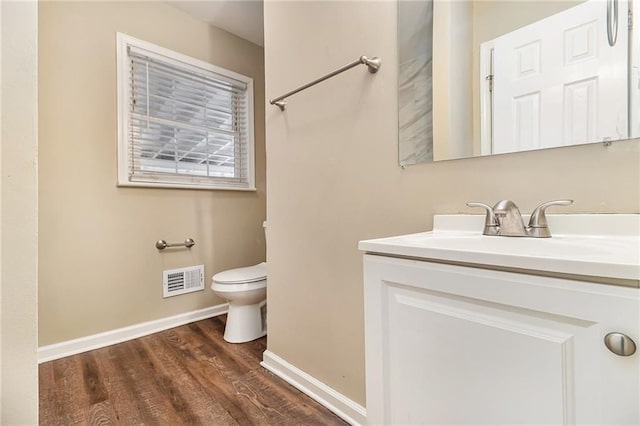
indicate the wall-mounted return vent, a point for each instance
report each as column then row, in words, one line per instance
column 182, row 280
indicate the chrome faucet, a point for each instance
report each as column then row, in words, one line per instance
column 504, row 219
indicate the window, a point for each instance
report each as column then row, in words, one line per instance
column 182, row 123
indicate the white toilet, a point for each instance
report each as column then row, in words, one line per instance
column 246, row 291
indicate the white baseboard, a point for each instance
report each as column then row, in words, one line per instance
column 343, row 407
column 100, row 340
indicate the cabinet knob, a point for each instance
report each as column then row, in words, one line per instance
column 620, row 344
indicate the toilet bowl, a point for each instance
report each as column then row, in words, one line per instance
column 246, row 291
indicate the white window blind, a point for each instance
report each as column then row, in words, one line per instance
column 187, row 125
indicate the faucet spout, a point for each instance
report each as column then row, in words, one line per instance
column 509, row 219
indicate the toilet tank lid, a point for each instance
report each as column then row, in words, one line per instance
column 242, row 275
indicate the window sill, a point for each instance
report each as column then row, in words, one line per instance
column 164, row 185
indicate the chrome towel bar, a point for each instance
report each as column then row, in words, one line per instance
column 372, row 64
column 162, row 244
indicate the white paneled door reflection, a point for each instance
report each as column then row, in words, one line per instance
column 558, row 81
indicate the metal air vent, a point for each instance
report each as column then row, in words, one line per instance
column 182, row 280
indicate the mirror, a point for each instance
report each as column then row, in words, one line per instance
column 484, row 77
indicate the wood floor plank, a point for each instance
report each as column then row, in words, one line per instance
column 267, row 390
column 47, row 389
column 210, row 347
column 70, row 399
column 101, row 413
column 218, row 389
column 184, row 376
column 251, row 352
column 92, row 381
column 190, row 401
column 133, row 392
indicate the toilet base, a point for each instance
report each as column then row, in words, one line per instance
column 244, row 323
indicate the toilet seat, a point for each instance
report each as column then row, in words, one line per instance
column 227, row 288
column 249, row 274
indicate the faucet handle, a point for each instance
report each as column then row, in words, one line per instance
column 538, row 226
column 538, row 218
column 490, row 221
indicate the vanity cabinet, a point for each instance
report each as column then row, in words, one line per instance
column 453, row 344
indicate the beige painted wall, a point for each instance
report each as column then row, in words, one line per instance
column 18, row 213
column 99, row 269
column 492, row 18
column 333, row 180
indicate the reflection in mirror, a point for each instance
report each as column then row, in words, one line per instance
column 518, row 75
column 415, row 101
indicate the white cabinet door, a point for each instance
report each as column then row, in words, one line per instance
column 458, row 345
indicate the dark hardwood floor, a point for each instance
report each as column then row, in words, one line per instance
column 183, row 376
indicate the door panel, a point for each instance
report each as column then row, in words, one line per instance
column 527, row 121
column 580, row 109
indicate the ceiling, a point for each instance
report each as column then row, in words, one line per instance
column 243, row 18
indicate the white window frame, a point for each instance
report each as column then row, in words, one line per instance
column 124, row 99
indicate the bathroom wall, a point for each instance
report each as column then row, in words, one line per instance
column 98, row 267
column 333, row 179
column 18, row 213
column 512, row 14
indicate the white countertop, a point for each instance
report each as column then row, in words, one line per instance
column 596, row 245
